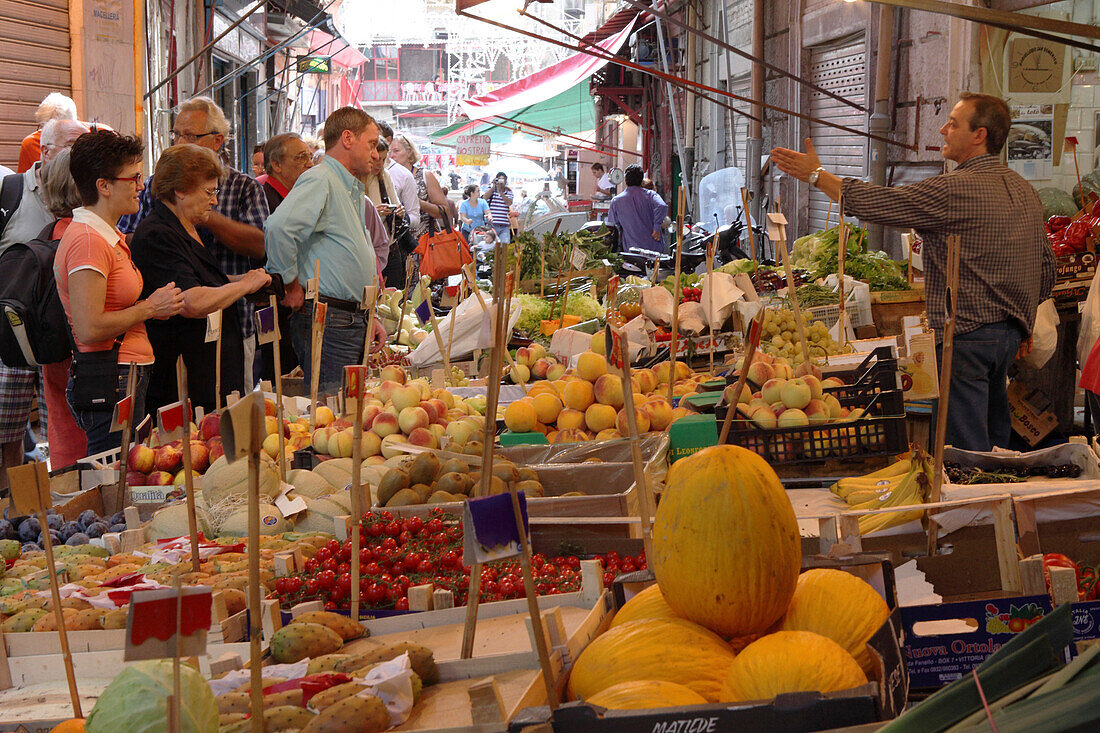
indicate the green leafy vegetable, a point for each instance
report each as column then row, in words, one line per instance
column 584, row 306
column 533, row 311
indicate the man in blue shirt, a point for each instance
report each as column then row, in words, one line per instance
column 638, row 213
column 322, row 219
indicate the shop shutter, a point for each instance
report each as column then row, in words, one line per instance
column 842, row 69
column 742, row 87
column 34, row 61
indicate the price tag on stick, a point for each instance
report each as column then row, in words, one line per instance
column 30, row 488
column 213, row 326
column 577, row 259
column 151, row 623
column 238, row 425
column 491, row 528
column 266, row 319
column 123, row 413
column 171, row 419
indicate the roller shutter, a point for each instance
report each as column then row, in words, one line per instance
column 741, row 86
column 34, row 61
column 842, row 69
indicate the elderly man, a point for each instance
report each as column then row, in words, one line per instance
column 23, row 217
column 55, row 106
column 286, row 157
column 1006, row 266
column 234, row 228
column 322, row 220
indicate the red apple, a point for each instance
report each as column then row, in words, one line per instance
column 168, row 458
column 160, row 478
column 216, row 452
column 141, row 458
column 269, row 408
column 211, row 427
column 136, row 478
column 200, row 457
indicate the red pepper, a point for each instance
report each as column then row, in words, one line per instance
column 1076, row 234
column 1057, row 223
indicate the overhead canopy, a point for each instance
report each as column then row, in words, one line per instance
column 342, row 52
column 569, row 112
column 545, row 84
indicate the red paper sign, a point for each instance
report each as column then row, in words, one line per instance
column 320, row 310
column 156, row 618
column 613, row 340
column 1071, row 141
column 355, row 378
column 124, row 410
column 171, row 418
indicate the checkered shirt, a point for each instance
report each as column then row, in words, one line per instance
column 241, row 199
column 1006, row 266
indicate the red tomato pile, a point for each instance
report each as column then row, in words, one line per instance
column 397, row 554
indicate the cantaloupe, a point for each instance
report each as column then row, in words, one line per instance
column 726, row 548
column 171, row 521
column 650, row 603
column 790, row 661
column 224, row 480
column 318, row 516
column 309, row 484
column 272, row 521
column 838, row 605
column 337, row 471
column 673, row 650
column 646, row 694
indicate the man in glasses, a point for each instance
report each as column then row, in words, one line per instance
column 234, row 229
column 286, row 157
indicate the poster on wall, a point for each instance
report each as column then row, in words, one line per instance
column 1030, row 145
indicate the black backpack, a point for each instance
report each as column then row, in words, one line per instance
column 33, row 326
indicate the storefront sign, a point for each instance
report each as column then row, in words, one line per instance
column 473, row 149
column 314, row 65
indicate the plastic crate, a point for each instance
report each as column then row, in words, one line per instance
column 876, row 373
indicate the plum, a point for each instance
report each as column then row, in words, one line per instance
column 55, row 521
column 87, row 517
column 7, row 531
column 29, row 529
column 95, row 529
column 118, row 527
column 68, row 529
column 78, row 539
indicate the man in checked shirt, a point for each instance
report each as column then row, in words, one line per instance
column 234, row 229
column 1006, row 266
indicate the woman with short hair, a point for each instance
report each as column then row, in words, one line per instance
column 473, row 212
column 167, row 248
column 103, row 293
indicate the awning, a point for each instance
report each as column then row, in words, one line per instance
column 612, row 25
column 348, row 56
column 569, row 112
column 545, row 84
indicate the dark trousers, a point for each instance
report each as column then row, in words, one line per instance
column 342, row 344
column 977, row 414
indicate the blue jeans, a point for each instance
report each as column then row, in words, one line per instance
column 977, row 414
column 342, row 345
column 96, row 424
column 504, row 232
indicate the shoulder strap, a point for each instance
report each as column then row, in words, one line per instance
column 11, row 193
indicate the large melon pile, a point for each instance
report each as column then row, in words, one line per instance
column 730, row 618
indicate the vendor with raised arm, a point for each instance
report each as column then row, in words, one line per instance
column 1006, row 266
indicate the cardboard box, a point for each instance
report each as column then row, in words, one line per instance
column 1032, row 418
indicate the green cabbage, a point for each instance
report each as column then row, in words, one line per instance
column 584, row 306
column 533, row 311
column 136, row 701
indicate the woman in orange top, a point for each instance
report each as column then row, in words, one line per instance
column 100, row 287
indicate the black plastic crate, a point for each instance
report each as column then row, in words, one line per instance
column 878, row 372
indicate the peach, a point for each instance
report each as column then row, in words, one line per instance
column 659, row 412
column 547, row 406
column 832, row 382
column 795, row 393
column 555, row 371
column 683, row 371
column 834, row 406
column 661, row 372
column 570, row 418
column 578, row 395
column 759, row 372
column 424, row 387
column 608, row 390
column 320, row 439
column 728, row 396
column 647, row 380
column 807, row 369
column 370, row 412
column 211, row 426
column 385, row 424
column 523, row 356
column 404, row 397
column 793, row 417
column 444, row 396
column 598, row 344
column 412, row 418
column 168, row 458
column 520, row 417
column 423, row 437
column 324, row 416
column 763, row 417
column 783, row 370
column 371, row 444
column 538, row 351
column 429, row 408
column 591, row 365
column 680, row 412
column 438, row 431
column 389, row 442
column 519, row 374
column 570, row 435
column 459, row 431
column 271, row 445
column 200, row 456
column 393, row 373
column 269, row 407
column 539, row 368
column 340, row 444
column 609, row 434
column 386, row 388
column 141, row 458
column 817, row 412
column 599, row 416
column 440, row 408
column 815, row 386
column 640, row 419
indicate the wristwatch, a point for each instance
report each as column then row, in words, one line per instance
column 814, row 175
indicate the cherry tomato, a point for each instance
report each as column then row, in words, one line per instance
column 322, row 554
column 345, row 553
column 507, row 589
column 330, row 564
column 311, row 565
column 414, row 524
column 372, row 568
column 343, row 582
column 376, row 529
column 628, row 565
column 282, row 585
column 609, row 579
column 393, row 529
column 326, row 579
column 330, row 606
column 312, row 587
column 425, row 566
column 374, row 593
column 389, row 544
column 344, row 567
column 612, row 556
column 434, row 525
column 405, row 537
column 365, row 555
column 401, row 604
column 550, row 570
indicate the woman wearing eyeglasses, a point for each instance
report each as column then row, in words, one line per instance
column 167, row 248
column 101, row 289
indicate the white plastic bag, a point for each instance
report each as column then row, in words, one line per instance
column 470, row 332
column 1044, row 336
column 1090, row 321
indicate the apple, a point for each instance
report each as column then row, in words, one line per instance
column 795, row 393
column 136, row 478
column 412, row 418
column 817, row 412
column 393, row 373
column 141, row 458
column 160, row 478
column 385, row 424
column 216, row 451
column 407, row 396
column 835, row 408
column 760, row 372
column 763, row 417
column 792, row 417
column 211, row 426
column 423, row 437
column 772, row 390
column 168, row 458
column 459, row 431
column 200, row 457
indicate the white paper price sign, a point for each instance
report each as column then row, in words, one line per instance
column 577, row 259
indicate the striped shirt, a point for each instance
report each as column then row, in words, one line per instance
column 499, row 205
column 1006, row 266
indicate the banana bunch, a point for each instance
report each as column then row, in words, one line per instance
column 903, row 483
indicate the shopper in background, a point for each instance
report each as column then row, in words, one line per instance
column 66, row 440
column 383, row 194
column 1006, row 267
column 168, row 248
column 101, row 289
column 55, row 106
column 605, row 189
column 286, row 157
column 322, row 219
column 234, row 229
column 433, row 202
column 500, row 199
column 638, row 213
column 258, row 162
column 404, row 239
column 473, row 212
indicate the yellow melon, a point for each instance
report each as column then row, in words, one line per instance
column 838, row 605
column 666, row 649
column 790, row 661
column 726, row 548
column 646, row 694
column 650, row 603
